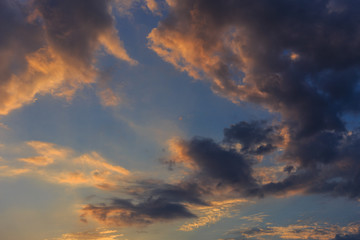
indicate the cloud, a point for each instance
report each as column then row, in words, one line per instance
column 124, row 6
column 215, row 162
column 256, row 137
column 98, row 234
column 149, row 201
column 216, row 175
column 296, row 59
column 61, row 165
column 213, row 213
column 297, row 231
column 109, row 98
column 48, row 153
column 152, row 5
column 6, row 171
column 89, row 169
column 351, row 236
column 231, row 163
column 122, row 212
column 53, row 48
column 258, row 217
column 296, row 71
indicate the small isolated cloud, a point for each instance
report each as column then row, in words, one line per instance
column 258, row 217
column 109, row 98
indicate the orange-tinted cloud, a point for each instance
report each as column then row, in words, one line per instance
column 258, row 217
column 60, row 165
column 7, row 171
column 152, row 5
column 298, row 231
column 55, row 49
column 214, row 212
column 124, row 6
column 48, row 153
column 98, row 234
column 109, row 98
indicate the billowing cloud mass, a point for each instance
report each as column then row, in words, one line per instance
column 50, row 47
column 298, row 58
column 275, row 53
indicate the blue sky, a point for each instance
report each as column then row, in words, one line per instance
column 141, row 120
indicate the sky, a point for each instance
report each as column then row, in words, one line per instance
column 179, row 119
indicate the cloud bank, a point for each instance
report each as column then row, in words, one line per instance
column 299, row 59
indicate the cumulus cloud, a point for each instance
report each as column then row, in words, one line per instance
column 251, row 57
column 50, row 47
column 223, row 171
column 217, row 173
column 299, row 59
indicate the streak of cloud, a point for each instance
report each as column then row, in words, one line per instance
column 297, row 231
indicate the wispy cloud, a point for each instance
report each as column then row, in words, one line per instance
column 98, row 234
column 213, row 213
column 60, row 165
column 297, row 231
column 258, row 217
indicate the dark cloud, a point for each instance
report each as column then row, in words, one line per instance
column 297, row 231
column 123, row 212
column 73, row 27
column 183, row 192
column 18, row 38
column 151, row 201
column 300, row 59
column 50, row 47
column 328, row 164
column 225, row 165
column 256, row 137
column 355, row 236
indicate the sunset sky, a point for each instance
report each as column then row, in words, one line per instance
column 179, row 119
